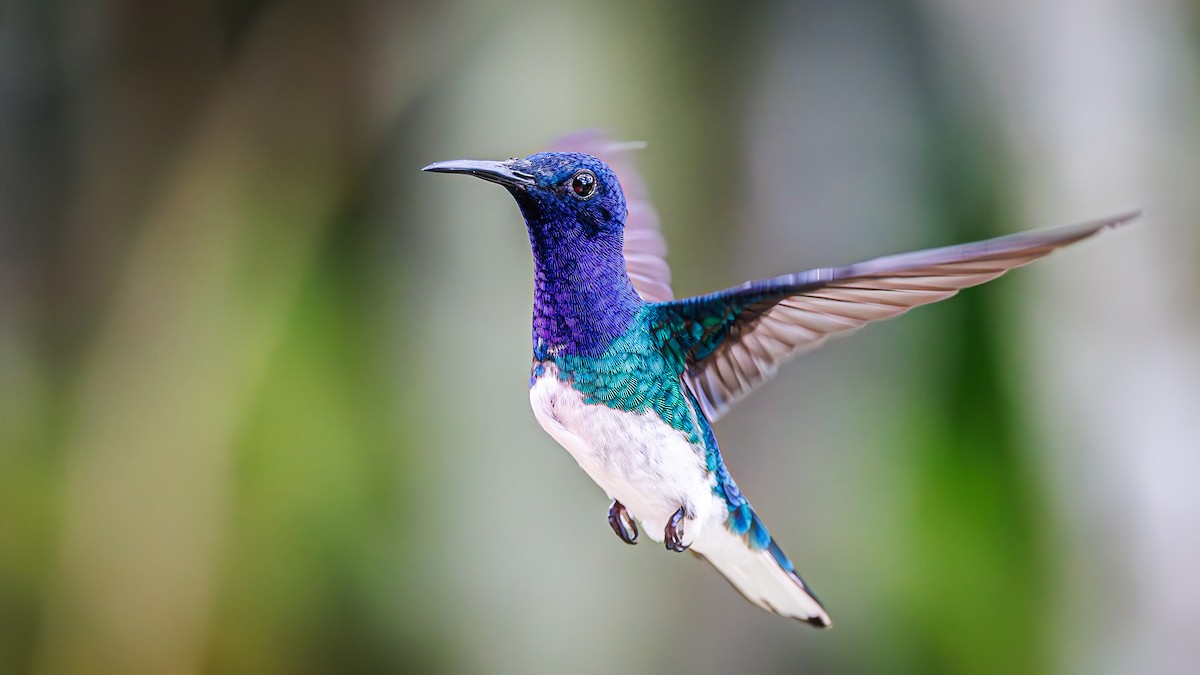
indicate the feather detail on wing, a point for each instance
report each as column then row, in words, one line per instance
column 746, row 332
column 645, row 249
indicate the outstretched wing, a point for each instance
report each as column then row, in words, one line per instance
column 735, row 339
column 645, row 249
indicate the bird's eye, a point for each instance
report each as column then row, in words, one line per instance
column 583, row 184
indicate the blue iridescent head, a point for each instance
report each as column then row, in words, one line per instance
column 574, row 209
column 564, row 196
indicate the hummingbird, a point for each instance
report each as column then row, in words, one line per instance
column 629, row 379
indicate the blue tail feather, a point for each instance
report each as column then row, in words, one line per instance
column 780, row 558
column 758, row 538
column 745, row 522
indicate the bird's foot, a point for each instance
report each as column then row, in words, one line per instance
column 673, row 535
column 622, row 523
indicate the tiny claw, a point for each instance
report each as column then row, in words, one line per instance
column 622, row 523
column 673, row 535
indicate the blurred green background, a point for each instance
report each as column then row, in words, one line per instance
column 263, row 383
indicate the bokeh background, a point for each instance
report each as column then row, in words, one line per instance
column 263, row 383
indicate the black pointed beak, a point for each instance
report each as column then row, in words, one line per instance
column 505, row 173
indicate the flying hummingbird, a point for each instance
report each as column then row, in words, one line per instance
column 629, row 379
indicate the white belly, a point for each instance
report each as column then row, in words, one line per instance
column 636, row 458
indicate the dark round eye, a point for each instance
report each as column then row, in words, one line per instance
column 583, row 184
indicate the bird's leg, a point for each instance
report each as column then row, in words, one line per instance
column 673, row 535
column 622, row 523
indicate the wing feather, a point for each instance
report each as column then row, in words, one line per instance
column 773, row 320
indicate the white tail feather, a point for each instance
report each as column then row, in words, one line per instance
column 758, row 576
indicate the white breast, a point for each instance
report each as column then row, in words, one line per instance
column 636, row 458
